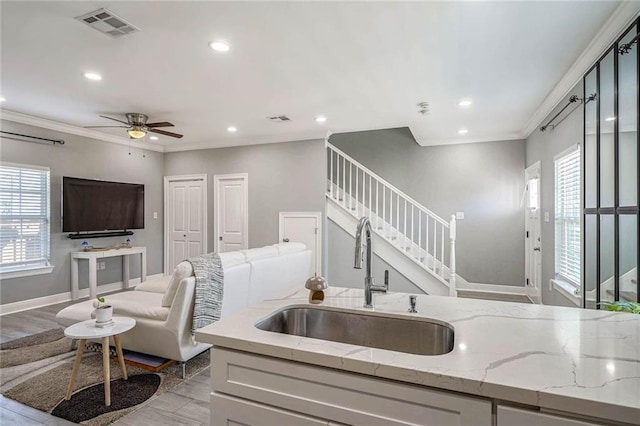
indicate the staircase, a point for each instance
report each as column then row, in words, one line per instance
column 408, row 236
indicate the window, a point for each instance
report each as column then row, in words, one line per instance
column 567, row 217
column 532, row 187
column 24, row 218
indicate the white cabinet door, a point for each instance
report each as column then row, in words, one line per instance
column 230, row 411
column 231, row 212
column 304, row 227
column 509, row 416
column 340, row 396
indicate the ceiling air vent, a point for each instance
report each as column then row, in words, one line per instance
column 279, row 118
column 107, row 23
column 424, row 108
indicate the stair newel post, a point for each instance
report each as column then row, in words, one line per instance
column 350, row 186
column 452, row 266
column 344, row 182
column 357, row 185
column 331, row 188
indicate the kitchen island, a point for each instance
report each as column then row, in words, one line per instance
column 511, row 364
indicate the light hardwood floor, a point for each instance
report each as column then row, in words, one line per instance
column 188, row 404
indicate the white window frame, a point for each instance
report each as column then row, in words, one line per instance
column 42, row 267
column 562, row 274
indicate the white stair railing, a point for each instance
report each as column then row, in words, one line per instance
column 412, row 228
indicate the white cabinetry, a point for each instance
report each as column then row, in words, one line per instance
column 509, row 416
column 229, row 411
column 257, row 390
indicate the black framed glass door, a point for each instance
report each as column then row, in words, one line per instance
column 611, row 189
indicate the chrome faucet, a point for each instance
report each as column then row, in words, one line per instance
column 369, row 285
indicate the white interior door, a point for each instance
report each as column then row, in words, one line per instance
column 304, row 227
column 185, row 218
column 533, row 239
column 231, row 212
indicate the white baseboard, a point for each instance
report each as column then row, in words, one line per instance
column 38, row 302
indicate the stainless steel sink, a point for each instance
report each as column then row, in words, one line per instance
column 411, row 335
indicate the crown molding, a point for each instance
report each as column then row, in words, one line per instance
column 57, row 126
column 497, row 138
column 619, row 20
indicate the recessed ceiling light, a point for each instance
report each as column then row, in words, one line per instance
column 93, row 76
column 321, row 119
column 219, row 46
column 154, row 138
column 463, row 131
column 465, row 103
column 231, row 129
column 2, row 99
column 610, row 119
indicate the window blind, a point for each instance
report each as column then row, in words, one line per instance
column 567, row 218
column 24, row 217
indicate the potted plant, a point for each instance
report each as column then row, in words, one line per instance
column 103, row 311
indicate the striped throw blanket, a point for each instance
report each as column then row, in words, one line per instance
column 209, row 274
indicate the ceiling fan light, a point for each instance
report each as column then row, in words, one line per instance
column 136, row 133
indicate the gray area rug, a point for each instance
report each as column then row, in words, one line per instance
column 35, row 371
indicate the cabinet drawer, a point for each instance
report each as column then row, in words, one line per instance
column 510, row 416
column 230, row 411
column 340, row 396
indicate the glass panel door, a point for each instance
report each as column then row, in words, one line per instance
column 611, row 189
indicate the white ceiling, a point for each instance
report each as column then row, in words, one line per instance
column 363, row 65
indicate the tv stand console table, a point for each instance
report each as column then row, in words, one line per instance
column 93, row 256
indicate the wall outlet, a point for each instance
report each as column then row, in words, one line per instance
column 101, row 266
column 155, row 215
column 546, row 216
column 459, row 215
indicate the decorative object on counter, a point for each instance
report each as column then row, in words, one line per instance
column 316, row 286
column 630, row 307
column 103, row 313
column 85, row 245
column 127, row 243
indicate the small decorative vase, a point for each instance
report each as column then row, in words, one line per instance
column 103, row 314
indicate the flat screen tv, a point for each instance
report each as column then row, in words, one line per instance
column 97, row 205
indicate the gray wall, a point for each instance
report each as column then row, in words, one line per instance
column 282, row 177
column 543, row 147
column 483, row 180
column 87, row 158
column 342, row 274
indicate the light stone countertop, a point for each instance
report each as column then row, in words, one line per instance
column 568, row 359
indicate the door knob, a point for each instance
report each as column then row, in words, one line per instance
column 536, row 249
column 285, row 240
column 220, row 238
column 185, row 235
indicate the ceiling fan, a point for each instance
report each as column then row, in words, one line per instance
column 137, row 126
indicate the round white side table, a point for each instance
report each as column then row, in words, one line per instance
column 87, row 330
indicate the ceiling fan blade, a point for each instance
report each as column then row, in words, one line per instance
column 160, row 124
column 114, row 119
column 164, row 132
column 98, row 127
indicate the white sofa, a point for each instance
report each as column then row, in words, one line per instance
column 163, row 321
